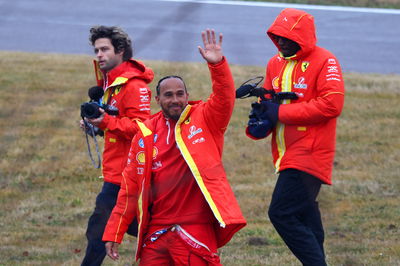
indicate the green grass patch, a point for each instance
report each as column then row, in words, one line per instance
column 48, row 185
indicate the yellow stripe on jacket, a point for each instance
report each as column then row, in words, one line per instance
column 280, row 128
column 193, row 167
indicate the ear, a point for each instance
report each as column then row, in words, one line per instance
column 157, row 99
column 121, row 53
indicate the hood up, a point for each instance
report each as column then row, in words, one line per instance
column 297, row 26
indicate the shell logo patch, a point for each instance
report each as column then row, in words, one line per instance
column 304, row 66
column 155, row 152
column 275, row 83
column 140, row 157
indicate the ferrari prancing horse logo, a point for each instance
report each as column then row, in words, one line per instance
column 304, row 66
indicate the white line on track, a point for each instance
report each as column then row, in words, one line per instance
column 298, row 6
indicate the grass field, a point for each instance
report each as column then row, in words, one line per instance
column 48, row 185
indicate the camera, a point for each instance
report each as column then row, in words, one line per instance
column 91, row 109
column 259, row 123
column 92, row 130
column 251, row 89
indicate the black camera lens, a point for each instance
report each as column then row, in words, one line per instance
column 111, row 110
column 90, row 110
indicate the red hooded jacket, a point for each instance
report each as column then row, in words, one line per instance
column 199, row 135
column 304, row 137
column 125, row 87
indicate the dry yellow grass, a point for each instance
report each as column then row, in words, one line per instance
column 48, row 185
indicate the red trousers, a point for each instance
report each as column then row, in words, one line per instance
column 178, row 247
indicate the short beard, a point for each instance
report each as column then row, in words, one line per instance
column 175, row 117
column 168, row 114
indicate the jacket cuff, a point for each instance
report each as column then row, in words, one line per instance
column 223, row 61
column 111, row 239
column 104, row 122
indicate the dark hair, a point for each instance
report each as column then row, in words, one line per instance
column 168, row 77
column 119, row 39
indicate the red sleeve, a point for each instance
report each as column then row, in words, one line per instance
column 136, row 105
column 326, row 105
column 125, row 209
column 219, row 106
column 268, row 81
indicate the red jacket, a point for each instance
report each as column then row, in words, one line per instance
column 304, row 137
column 126, row 87
column 199, row 134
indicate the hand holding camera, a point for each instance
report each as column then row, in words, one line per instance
column 264, row 113
column 95, row 121
column 267, row 110
column 259, row 124
column 92, row 112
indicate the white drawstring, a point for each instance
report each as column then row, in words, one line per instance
column 169, row 130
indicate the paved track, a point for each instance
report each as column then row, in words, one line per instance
column 364, row 40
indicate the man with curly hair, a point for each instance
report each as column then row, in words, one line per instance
column 125, row 85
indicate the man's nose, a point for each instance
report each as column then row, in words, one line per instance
column 175, row 98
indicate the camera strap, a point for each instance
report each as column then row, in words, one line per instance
column 96, row 165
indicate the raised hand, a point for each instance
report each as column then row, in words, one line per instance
column 212, row 51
